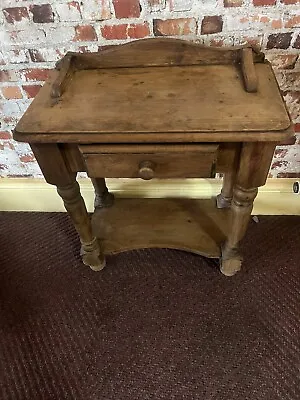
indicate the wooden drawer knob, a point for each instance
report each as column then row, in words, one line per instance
column 146, row 170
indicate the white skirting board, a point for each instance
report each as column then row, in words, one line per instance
column 26, row 194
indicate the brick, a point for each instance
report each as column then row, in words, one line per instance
column 174, row 27
column 125, row 31
column 34, row 74
column 156, row 5
column 110, row 32
column 5, row 135
column 259, row 22
column 279, row 164
column 15, row 14
column 211, row 24
column 288, row 175
column 138, row 31
column 279, row 41
column 42, row 13
column 262, row 3
column 127, row 9
column 287, row 2
column 12, row 92
column 296, row 44
column 85, row 33
column 8, row 76
column 280, row 152
column 233, row 3
column 292, row 99
column 31, row 90
column 282, row 61
column 36, row 55
column 95, row 10
column 181, row 5
column 28, row 35
column 69, row 11
column 27, row 157
column 293, row 22
column 276, row 24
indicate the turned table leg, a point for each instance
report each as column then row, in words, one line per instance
column 251, row 173
column 74, row 204
column 230, row 152
column 225, row 197
column 103, row 198
column 56, row 172
column 241, row 208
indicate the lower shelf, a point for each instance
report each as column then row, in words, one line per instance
column 185, row 224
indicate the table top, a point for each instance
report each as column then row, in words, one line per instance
column 160, row 103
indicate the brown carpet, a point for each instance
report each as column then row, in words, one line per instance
column 155, row 324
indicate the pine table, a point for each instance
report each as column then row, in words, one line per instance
column 159, row 108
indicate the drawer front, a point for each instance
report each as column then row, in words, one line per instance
column 147, row 162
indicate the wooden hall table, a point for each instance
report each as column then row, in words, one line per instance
column 159, row 108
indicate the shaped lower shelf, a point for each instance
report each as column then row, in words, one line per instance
column 191, row 225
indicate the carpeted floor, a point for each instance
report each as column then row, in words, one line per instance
column 155, row 324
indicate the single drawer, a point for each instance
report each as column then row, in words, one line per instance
column 150, row 161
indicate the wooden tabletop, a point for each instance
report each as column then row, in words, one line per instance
column 178, row 103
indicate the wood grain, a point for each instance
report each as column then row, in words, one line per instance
column 152, row 137
column 74, row 204
column 185, row 224
column 248, row 69
column 57, row 171
column 61, row 82
column 148, row 148
column 161, row 52
column 207, row 100
column 159, row 109
column 165, row 165
column 255, row 164
column 252, row 171
column 228, row 162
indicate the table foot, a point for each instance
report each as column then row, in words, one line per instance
column 230, row 262
column 92, row 256
column 223, row 202
column 104, row 200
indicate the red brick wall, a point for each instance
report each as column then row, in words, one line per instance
column 35, row 34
